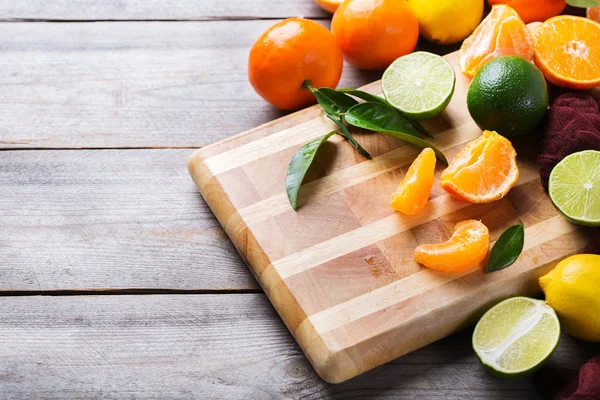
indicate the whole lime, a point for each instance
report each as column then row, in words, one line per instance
column 508, row 95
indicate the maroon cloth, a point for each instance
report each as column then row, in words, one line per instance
column 572, row 124
column 565, row 384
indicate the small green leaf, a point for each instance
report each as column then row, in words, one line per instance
column 386, row 119
column 584, row 3
column 376, row 99
column 347, row 135
column 299, row 165
column 332, row 102
column 507, row 248
column 364, row 95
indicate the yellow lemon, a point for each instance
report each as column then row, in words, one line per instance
column 447, row 21
column 573, row 290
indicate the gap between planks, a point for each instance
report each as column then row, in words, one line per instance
column 124, row 292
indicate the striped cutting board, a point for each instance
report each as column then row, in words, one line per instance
column 340, row 271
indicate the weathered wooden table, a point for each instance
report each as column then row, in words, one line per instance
column 116, row 280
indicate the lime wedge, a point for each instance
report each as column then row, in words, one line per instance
column 516, row 336
column 574, row 187
column 420, row 84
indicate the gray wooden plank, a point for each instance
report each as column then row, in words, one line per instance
column 130, row 84
column 107, row 219
column 156, row 9
column 213, row 347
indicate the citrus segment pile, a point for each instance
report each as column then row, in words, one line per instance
column 483, row 171
column 466, row 248
column 413, row 192
column 501, row 33
column 567, row 51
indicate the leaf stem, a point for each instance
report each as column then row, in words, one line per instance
column 348, row 136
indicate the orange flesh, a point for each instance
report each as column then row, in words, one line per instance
column 413, row 192
column 468, row 246
column 483, row 171
column 501, row 33
column 568, row 51
column 593, row 13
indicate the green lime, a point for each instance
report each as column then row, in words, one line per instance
column 419, row 84
column 574, row 187
column 508, row 95
column 516, row 336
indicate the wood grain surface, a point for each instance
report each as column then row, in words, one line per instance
column 340, row 271
column 121, row 84
column 81, row 10
column 110, row 219
column 214, row 347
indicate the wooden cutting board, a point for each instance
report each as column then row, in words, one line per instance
column 340, row 271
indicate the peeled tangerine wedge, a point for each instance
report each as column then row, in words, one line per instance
column 501, row 33
column 468, row 246
column 483, row 171
column 413, row 192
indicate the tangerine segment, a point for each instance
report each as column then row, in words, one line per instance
column 413, row 192
column 483, row 171
column 468, row 246
column 329, row 5
column 501, row 33
column 567, row 51
column 593, row 13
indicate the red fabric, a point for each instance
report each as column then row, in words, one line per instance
column 563, row 384
column 572, row 124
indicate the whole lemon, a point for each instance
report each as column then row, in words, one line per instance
column 447, row 21
column 572, row 289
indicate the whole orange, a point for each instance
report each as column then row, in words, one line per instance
column 287, row 54
column 374, row 33
column 534, row 10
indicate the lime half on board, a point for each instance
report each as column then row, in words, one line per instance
column 419, row 84
column 515, row 337
column 574, row 187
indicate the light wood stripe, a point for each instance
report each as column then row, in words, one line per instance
column 374, row 232
column 269, row 145
column 421, row 282
column 349, row 177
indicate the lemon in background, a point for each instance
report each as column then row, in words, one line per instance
column 573, row 290
column 447, row 21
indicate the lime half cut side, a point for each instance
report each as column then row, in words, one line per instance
column 574, row 187
column 420, row 84
column 515, row 337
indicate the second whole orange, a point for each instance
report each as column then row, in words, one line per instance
column 534, row 10
column 374, row 33
column 287, row 54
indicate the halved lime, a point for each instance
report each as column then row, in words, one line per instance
column 419, row 84
column 515, row 337
column 574, row 187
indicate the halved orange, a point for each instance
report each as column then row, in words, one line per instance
column 468, row 246
column 567, row 51
column 501, row 33
column 483, row 171
column 329, row 5
column 413, row 192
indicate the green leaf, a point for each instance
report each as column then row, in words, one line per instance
column 347, row 135
column 386, row 119
column 376, row 99
column 299, row 165
column 507, row 248
column 364, row 95
column 584, row 3
column 332, row 102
